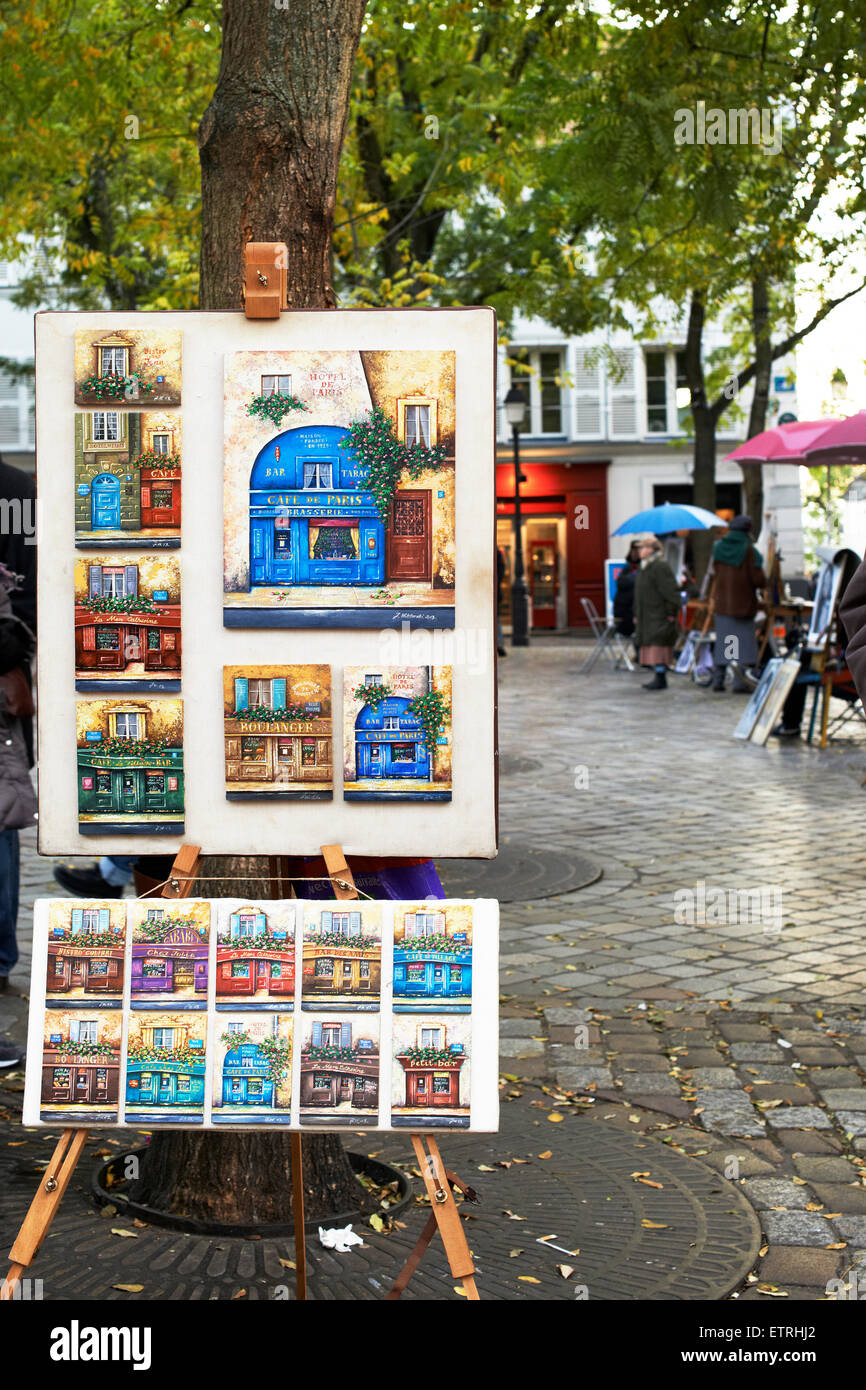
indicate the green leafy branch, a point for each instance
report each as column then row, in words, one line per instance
column 385, row 458
column 274, row 407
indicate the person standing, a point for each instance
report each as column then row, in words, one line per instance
column 623, row 599
column 656, row 606
column 737, row 566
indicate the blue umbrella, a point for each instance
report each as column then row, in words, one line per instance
column 671, row 516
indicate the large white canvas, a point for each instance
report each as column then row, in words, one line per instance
column 465, row 827
column 483, row 1018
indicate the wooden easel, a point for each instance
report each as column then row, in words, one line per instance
column 438, row 1181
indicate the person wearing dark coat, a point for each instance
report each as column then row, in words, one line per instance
column 656, row 607
column 737, row 567
column 852, row 611
column 623, row 599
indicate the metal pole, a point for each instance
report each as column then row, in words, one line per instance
column 519, row 604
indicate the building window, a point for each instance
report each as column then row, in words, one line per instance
column 247, row 923
column 331, row 1034
column 183, row 1083
column 160, row 443
column 156, row 914
column 324, row 967
column 163, row 1037
column 253, row 750
column 129, row 725
column 276, row 385
column 373, row 679
column 432, row 1037
column 667, row 392
column 104, row 426
column 321, row 1082
column 538, row 372
column 424, row 923
column 235, row 1028
column 83, row 1032
column 90, row 920
column 113, row 360
column 390, row 721
column 318, row 475
column 261, row 693
column 107, row 639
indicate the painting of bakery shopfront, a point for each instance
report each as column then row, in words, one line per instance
column 277, row 743
column 73, row 1074
column 311, row 521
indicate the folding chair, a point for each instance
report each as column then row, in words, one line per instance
column 607, row 639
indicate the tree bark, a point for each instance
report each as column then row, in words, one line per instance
column 270, row 142
column 270, row 145
column 753, row 474
column 704, row 422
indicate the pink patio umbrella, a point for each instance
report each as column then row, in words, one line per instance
column 782, row 443
column 840, row 441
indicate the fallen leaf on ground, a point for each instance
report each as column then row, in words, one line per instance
column 241, row 1293
column 511, row 1215
column 771, row 1291
column 128, row 1288
column 840, row 1245
column 654, row 1225
column 566, row 1270
column 119, row 1231
column 528, row 1279
column 554, row 1117
column 548, row 1153
column 647, row 1183
column 288, row 1264
column 485, row 1168
column 512, row 1254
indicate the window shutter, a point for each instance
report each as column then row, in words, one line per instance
column 73, row 1030
column 345, row 1035
column 409, row 926
column 317, row 1034
column 588, row 389
column 234, row 925
column 104, row 916
column 145, row 495
column 241, row 697
column 623, row 395
column 96, row 581
column 88, row 642
column 438, row 922
column 261, row 922
column 77, row 918
column 279, row 693
column 130, row 583
column 354, row 924
column 327, row 921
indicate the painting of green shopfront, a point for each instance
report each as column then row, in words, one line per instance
column 129, row 782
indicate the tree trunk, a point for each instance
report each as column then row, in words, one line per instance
column 270, row 142
column 753, row 474
column 704, row 422
column 270, row 146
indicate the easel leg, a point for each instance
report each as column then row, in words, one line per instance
column 445, row 1215
column 298, row 1209
column 44, row 1206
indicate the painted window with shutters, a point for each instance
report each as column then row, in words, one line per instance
column 667, row 392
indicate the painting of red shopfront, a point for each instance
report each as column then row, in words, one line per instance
column 565, row 531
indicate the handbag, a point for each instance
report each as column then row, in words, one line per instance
column 16, row 695
column 18, row 805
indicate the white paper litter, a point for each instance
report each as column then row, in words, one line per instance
column 338, row 1239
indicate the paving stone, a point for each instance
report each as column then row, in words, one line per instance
column 745, row 1032
column 756, row 1052
column 701, row 1057
column 826, row 1170
column 853, row 1122
column 797, row 1228
column 846, row 1099
column 792, row 1264
column 629, row 1043
column 519, row 1027
column 823, row 1079
column 520, row 1047
column 649, row 1083
column 798, row 1117
column 819, row 1056
column 851, row 1228
column 808, row 1141
column 748, row 1164
column 845, row 1197
column 577, row 1078
column 716, row 1079
column 775, row 1192
column 728, row 1113
column 640, row 1061
column 575, row 1015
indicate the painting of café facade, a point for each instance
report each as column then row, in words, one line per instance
column 313, row 527
column 165, row 1067
column 253, row 1070
column 255, row 956
column 433, row 958
column 130, row 766
column 430, row 1085
column 81, row 1064
column 342, row 957
column 127, row 479
column 278, row 734
column 340, row 1069
column 169, row 955
column 397, row 733
column 85, row 952
column 127, row 622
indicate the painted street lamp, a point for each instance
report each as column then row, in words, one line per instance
column 515, row 413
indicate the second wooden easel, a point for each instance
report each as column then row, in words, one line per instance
column 438, row 1180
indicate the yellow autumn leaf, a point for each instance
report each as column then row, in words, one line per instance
column 119, row 1231
column 548, row 1153
column 654, row 1225
column 554, row 1117
column 128, row 1288
column 528, row 1279
column 566, row 1270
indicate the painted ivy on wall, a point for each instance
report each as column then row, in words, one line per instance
column 385, row 458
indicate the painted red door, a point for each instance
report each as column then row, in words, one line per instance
column 409, row 540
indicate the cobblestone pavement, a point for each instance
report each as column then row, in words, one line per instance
column 728, row 1025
